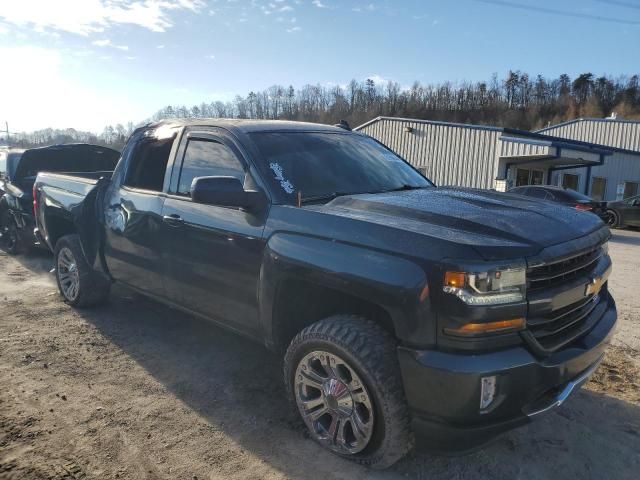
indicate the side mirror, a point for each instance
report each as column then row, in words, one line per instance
column 226, row 192
column 636, row 202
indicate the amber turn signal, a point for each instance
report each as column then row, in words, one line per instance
column 487, row 327
column 454, row 279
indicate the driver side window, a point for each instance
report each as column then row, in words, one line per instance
column 207, row 158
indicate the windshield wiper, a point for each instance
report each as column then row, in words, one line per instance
column 404, row 187
column 330, row 196
column 325, row 197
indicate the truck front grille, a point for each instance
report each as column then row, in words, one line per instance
column 564, row 325
column 551, row 331
column 554, row 274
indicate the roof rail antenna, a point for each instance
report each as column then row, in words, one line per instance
column 343, row 124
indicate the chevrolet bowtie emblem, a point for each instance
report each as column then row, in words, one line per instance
column 593, row 287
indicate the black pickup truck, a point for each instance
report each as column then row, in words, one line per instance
column 18, row 170
column 398, row 307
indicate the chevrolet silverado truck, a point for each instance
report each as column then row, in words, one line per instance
column 402, row 311
column 18, row 171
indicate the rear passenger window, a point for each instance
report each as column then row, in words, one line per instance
column 207, row 158
column 148, row 165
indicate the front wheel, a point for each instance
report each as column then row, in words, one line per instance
column 343, row 375
column 79, row 285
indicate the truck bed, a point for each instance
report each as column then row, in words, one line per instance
column 79, row 183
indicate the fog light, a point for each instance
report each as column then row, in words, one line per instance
column 487, row 391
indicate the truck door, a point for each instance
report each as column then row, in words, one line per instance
column 133, row 215
column 216, row 252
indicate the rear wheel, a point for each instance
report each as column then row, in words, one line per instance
column 79, row 285
column 13, row 242
column 343, row 375
column 612, row 219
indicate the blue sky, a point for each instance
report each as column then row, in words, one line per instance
column 87, row 63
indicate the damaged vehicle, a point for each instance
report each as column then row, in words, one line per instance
column 22, row 167
column 401, row 309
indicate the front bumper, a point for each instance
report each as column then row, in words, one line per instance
column 443, row 389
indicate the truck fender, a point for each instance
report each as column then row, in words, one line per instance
column 390, row 282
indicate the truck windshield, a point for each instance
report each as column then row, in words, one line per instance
column 322, row 166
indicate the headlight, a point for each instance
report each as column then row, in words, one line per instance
column 492, row 287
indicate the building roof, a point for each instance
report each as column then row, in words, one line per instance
column 552, row 133
column 621, row 135
column 561, row 142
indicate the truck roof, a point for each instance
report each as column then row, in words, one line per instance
column 248, row 126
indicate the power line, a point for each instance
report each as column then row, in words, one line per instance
column 564, row 13
column 621, row 4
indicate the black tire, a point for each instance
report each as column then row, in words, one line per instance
column 92, row 289
column 13, row 240
column 371, row 352
column 613, row 219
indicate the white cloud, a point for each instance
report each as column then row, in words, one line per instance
column 210, row 57
column 160, row 47
column 378, row 79
column 368, row 8
column 107, row 43
column 286, row 8
column 319, row 4
column 89, row 16
column 293, row 29
column 3, row 30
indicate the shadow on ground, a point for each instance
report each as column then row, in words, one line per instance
column 626, row 237
column 36, row 260
column 235, row 385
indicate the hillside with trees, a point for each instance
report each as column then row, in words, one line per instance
column 114, row 137
column 518, row 101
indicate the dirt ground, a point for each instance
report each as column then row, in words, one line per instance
column 134, row 390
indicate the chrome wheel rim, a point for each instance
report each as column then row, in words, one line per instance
column 333, row 402
column 68, row 275
column 612, row 219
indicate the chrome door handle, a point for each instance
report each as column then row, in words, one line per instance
column 173, row 220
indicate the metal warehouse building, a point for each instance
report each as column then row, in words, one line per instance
column 501, row 158
column 619, row 176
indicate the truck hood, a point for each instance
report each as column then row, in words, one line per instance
column 485, row 220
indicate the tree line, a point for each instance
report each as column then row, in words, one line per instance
column 518, row 101
column 113, row 137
